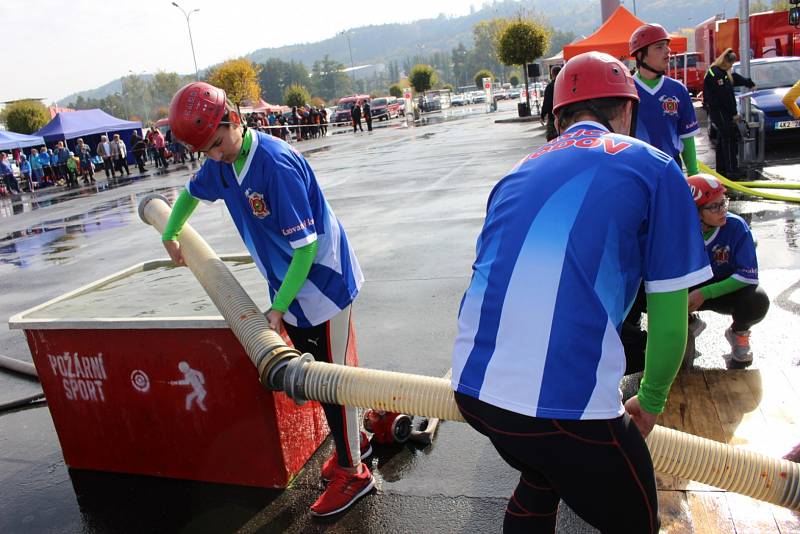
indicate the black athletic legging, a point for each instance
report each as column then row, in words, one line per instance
column 331, row 342
column 600, row 468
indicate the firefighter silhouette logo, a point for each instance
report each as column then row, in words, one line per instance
column 194, row 379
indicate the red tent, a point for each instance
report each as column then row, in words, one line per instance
column 612, row 37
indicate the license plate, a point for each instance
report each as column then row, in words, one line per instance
column 784, row 125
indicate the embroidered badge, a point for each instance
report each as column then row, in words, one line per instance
column 669, row 104
column 258, row 205
column 721, row 254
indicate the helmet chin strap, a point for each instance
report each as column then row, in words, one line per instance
column 642, row 64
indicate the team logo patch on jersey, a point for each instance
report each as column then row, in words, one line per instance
column 722, row 253
column 258, row 205
column 669, row 104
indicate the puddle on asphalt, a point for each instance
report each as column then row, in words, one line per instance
column 52, row 196
column 160, row 290
column 50, row 240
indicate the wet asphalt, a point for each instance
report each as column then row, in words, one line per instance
column 412, row 201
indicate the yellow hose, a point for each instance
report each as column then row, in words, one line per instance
column 673, row 452
column 770, row 185
column 262, row 344
column 743, row 189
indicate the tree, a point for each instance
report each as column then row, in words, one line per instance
column 328, row 79
column 276, row 75
column 521, row 42
column 239, row 79
column 460, row 58
column 395, row 90
column 317, row 102
column 480, row 75
column 486, row 34
column 422, row 78
column 558, row 40
column 296, row 95
column 25, row 116
column 514, row 80
column 163, row 87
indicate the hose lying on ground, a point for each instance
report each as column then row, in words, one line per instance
column 24, row 368
column 673, row 452
column 743, row 189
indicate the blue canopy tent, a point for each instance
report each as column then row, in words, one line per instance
column 89, row 124
column 11, row 140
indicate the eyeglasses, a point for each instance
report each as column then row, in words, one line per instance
column 717, row 207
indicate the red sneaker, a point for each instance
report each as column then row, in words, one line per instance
column 330, row 465
column 343, row 491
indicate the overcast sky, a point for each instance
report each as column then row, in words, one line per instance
column 53, row 48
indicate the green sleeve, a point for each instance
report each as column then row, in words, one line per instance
column 181, row 212
column 729, row 285
column 666, row 343
column 296, row 275
column 689, row 156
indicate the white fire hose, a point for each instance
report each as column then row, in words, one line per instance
column 279, row 367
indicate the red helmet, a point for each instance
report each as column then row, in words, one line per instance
column 195, row 113
column 704, row 187
column 592, row 75
column 646, row 35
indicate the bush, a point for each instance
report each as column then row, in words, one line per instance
column 296, row 95
column 422, row 78
column 396, row 91
column 480, row 75
column 26, row 116
column 513, row 80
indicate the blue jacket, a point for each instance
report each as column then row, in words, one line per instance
column 44, row 159
column 54, row 158
column 63, row 154
column 35, row 163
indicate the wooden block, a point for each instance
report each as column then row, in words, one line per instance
column 736, row 406
column 700, row 409
column 673, row 509
column 710, row 514
column 788, row 521
column 750, row 515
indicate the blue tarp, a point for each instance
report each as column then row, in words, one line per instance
column 11, row 140
column 73, row 124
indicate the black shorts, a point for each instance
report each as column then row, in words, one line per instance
column 600, row 468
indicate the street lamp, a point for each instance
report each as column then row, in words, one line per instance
column 191, row 42
column 352, row 65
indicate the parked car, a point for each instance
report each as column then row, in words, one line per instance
column 514, row 93
column 384, row 108
column 345, row 106
column 773, row 77
column 401, row 107
column 478, row 98
column 458, row 100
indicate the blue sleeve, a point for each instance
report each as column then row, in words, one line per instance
column 289, row 197
column 687, row 125
column 204, row 184
column 744, row 255
column 675, row 256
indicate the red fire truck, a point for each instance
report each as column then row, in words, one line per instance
column 770, row 35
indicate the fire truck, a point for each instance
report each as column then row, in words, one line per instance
column 771, row 35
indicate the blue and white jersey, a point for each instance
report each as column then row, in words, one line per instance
column 569, row 235
column 277, row 206
column 732, row 252
column 666, row 115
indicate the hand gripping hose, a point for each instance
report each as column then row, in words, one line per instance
column 266, row 349
column 673, row 452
